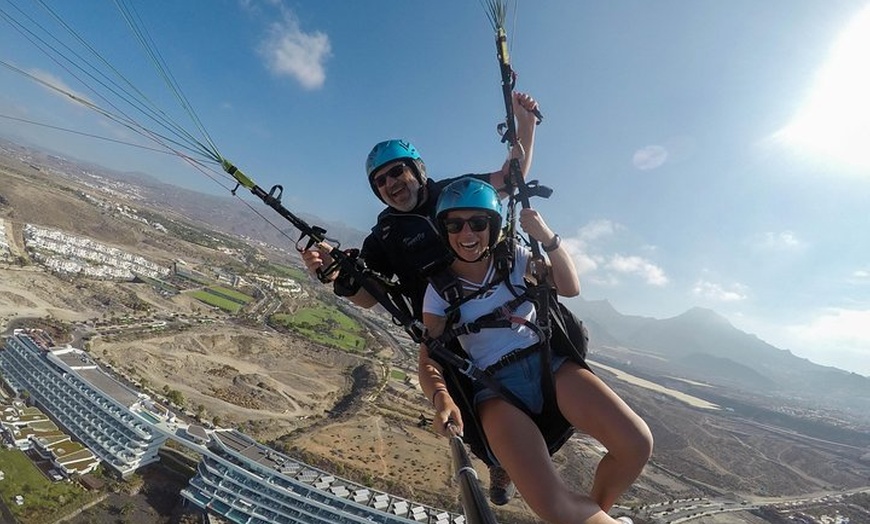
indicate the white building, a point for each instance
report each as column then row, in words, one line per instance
column 76, row 393
column 245, row 481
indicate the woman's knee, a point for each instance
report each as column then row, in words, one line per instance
column 639, row 442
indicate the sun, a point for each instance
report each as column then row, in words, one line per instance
column 834, row 123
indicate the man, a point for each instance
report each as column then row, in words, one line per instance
column 405, row 243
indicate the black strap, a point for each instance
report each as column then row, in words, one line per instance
column 513, row 357
column 497, row 318
column 448, row 286
column 439, row 352
column 389, row 296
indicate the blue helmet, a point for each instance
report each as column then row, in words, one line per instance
column 470, row 193
column 391, row 150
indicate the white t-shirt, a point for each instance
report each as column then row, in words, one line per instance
column 490, row 344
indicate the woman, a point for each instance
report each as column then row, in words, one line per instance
column 469, row 218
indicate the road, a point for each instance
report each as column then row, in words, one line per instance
column 689, row 510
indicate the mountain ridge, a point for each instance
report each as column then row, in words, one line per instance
column 702, row 345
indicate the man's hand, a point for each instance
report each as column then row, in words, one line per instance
column 524, row 109
column 524, row 106
column 317, row 257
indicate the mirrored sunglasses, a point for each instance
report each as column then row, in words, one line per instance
column 394, row 172
column 476, row 223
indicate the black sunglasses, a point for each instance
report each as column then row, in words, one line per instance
column 476, row 223
column 394, row 172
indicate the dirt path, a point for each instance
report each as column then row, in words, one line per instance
column 30, row 292
column 380, row 445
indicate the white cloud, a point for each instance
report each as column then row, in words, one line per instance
column 640, row 266
column 597, row 229
column 584, row 262
column 782, row 241
column 714, row 291
column 58, row 87
column 289, row 51
column 592, row 247
column 649, row 157
column 608, row 280
column 846, row 325
column 843, row 332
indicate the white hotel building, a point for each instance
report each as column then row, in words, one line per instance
column 67, row 385
column 246, row 482
column 238, row 478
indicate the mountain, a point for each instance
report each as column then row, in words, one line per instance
column 228, row 215
column 250, row 219
column 701, row 345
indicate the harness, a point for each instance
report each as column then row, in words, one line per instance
column 460, row 373
column 407, row 246
column 566, row 334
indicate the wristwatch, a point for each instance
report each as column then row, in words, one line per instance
column 554, row 244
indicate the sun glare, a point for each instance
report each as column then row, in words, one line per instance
column 834, row 123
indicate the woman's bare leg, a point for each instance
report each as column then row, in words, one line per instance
column 517, row 443
column 595, row 409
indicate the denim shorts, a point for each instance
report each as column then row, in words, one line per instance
column 523, row 379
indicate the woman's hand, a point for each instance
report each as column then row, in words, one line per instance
column 446, row 412
column 533, row 223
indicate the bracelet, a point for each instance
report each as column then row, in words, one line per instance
column 435, row 393
column 554, row 244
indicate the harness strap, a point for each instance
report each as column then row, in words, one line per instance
column 513, row 357
column 501, row 317
column 548, row 379
column 439, row 350
column 449, row 288
column 475, row 326
column 460, row 298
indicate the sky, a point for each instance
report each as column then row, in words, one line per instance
column 702, row 154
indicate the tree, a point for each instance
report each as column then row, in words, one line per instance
column 175, row 397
